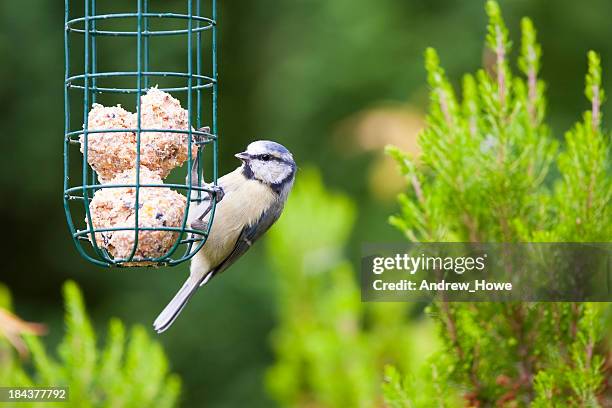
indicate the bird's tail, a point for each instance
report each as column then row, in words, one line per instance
column 176, row 305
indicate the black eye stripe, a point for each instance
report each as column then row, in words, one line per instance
column 268, row 157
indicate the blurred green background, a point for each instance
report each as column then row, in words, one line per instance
column 334, row 81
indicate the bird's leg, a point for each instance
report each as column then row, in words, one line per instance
column 215, row 192
column 218, row 194
column 193, row 175
column 194, row 171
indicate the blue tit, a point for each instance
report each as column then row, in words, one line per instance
column 253, row 198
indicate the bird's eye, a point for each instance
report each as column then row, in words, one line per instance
column 266, row 157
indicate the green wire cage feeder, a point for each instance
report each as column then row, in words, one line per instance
column 113, row 58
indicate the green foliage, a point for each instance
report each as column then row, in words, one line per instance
column 584, row 167
column 130, row 371
column 427, row 388
column 330, row 347
column 490, row 170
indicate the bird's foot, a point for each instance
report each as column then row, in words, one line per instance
column 217, row 192
column 199, row 225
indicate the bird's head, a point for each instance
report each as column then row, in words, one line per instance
column 270, row 163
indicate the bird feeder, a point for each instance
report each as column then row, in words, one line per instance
column 112, row 57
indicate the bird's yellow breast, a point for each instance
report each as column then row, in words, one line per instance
column 243, row 204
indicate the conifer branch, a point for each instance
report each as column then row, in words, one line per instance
column 483, row 180
column 593, row 89
column 529, row 63
column 135, row 376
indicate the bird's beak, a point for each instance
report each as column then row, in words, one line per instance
column 242, row 156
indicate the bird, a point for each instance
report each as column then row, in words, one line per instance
column 250, row 200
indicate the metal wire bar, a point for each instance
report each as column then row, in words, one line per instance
column 145, row 73
column 94, row 69
column 145, row 66
column 96, row 187
column 190, row 252
column 190, row 127
column 210, row 24
column 199, row 92
column 86, row 232
column 135, row 90
column 138, row 132
column 85, row 167
column 89, row 28
column 207, row 136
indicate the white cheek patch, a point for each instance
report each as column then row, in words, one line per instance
column 271, row 172
column 278, row 172
column 256, row 167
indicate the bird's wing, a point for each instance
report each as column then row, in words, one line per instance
column 247, row 237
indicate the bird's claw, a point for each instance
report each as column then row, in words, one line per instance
column 200, row 225
column 201, row 139
column 217, row 192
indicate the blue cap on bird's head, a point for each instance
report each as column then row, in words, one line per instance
column 270, row 146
